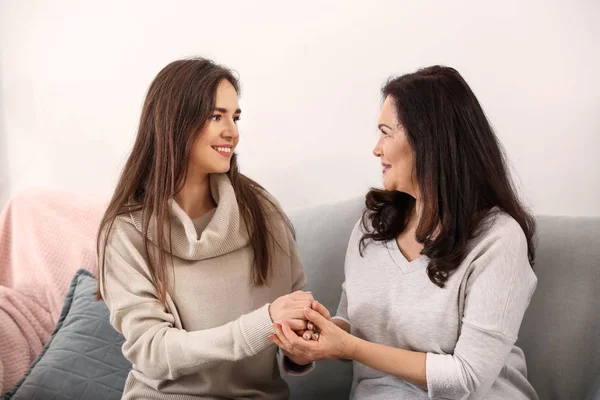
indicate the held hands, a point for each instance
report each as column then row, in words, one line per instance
column 329, row 341
column 291, row 308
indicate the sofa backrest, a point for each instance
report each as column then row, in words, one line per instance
column 322, row 234
column 560, row 334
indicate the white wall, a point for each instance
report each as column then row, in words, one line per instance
column 73, row 75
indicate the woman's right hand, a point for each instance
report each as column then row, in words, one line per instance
column 291, row 308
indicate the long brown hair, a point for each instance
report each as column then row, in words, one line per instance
column 460, row 167
column 179, row 102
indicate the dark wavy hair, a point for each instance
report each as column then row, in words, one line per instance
column 460, row 167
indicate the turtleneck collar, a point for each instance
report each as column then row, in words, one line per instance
column 218, row 232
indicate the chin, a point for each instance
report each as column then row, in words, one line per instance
column 219, row 171
column 222, row 170
column 388, row 185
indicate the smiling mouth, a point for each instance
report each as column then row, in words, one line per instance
column 222, row 150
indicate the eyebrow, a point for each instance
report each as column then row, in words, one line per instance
column 384, row 126
column 224, row 110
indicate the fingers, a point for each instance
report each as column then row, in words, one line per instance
column 276, row 341
column 298, row 345
column 314, row 332
column 298, row 324
column 290, row 335
column 321, row 309
column 295, row 310
column 306, row 335
column 295, row 313
column 282, row 339
column 318, row 321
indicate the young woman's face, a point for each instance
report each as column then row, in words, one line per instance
column 395, row 152
column 216, row 143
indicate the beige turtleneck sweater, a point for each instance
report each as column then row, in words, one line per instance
column 210, row 341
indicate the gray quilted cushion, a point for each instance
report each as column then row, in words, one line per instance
column 83, row 358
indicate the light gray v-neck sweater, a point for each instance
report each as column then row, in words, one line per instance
column 468, row 329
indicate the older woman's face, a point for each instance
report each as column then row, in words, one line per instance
column 395, row 152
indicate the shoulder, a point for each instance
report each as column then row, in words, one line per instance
column 270, row 206
column 268, row 200
column 354, row 243
column 358, row 231
column 499, row 229
column 123, row 233
column 500, row 244
column 278, row 224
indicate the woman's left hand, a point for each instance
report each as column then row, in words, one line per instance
column 332, row 343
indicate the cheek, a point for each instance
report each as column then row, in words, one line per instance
column 201, row 150
column 202, row 146
column 394, row 153
column 400, row 156
column 202, row 154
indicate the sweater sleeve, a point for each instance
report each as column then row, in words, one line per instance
column 152, row 344
column 342, row 310
column 498, row 291
column 351, row 250
column 291, row 368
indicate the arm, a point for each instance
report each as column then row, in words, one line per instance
column 152, row 343
column 386, row 359
column 342, row 324
column 341, row 318
column 405, row 364
column 498, row 291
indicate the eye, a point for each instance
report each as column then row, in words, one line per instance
column 236, row 118
column 216, row 118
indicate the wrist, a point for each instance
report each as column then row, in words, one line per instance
column 269, row 311
column 351, row 346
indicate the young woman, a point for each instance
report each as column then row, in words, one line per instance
column 196, row 260
column 439, row 269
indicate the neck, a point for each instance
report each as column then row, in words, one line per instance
column 407, row 240
column 413, row 220
column 195, row 197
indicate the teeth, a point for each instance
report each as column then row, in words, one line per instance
column 223, row 149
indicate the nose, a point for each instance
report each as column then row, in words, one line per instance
column 230, row 131
column 377, row 150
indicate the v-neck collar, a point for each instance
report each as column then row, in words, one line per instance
column 400, row 260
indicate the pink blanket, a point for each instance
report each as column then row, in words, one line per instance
column 45, row 236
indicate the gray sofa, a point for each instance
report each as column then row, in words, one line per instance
column 560, row 334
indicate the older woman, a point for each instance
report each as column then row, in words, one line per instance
column 439, row 269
